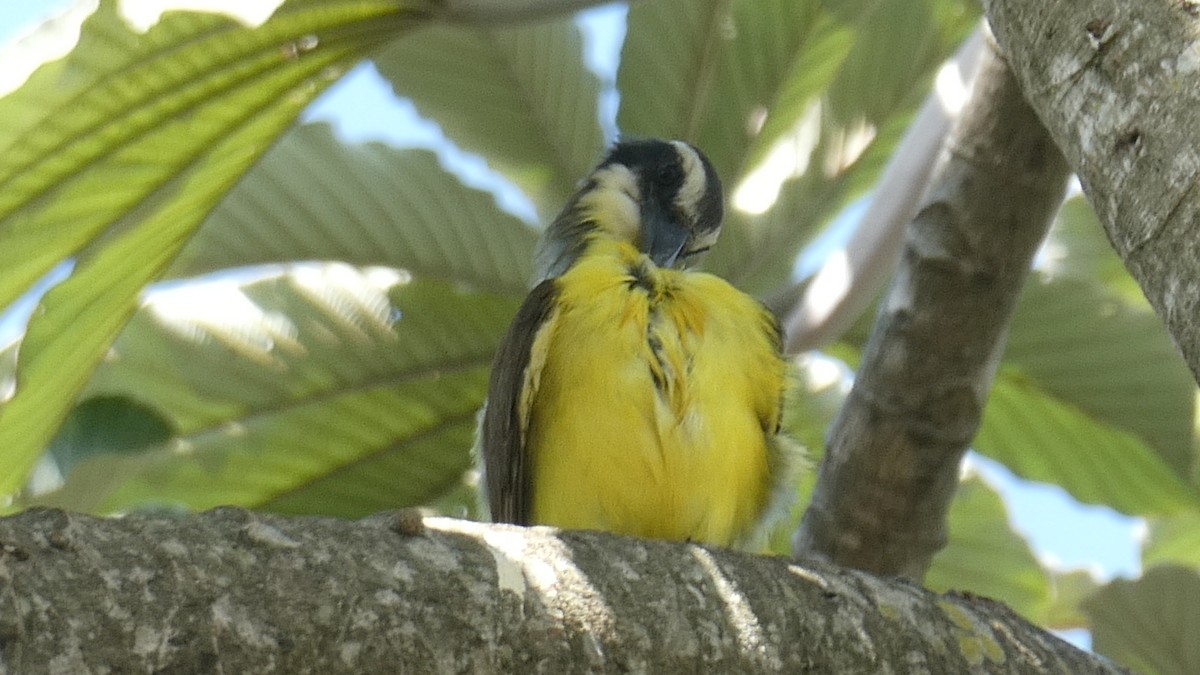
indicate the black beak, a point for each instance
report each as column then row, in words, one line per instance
column 663, row 238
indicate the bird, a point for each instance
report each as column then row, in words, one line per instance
column 632, row 394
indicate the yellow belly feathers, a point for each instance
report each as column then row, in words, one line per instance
column 658, row 397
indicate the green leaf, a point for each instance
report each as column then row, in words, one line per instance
column 117, row 153
column 986, row 557
column 713, row 72
column 323, row 390
column 461, row 501
column 810, row 73
column 818, row 387
column 898, row 46
column 1174, row 539
column 315, row 198
column 519, row 95
column 758, row 251
column 1068, row 592
column 865, row 107
column 107, row 424
column 1151, row 624
column 1078, row 247
column 1113, row 362
column 1043, row 438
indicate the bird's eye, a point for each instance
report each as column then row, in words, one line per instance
column 694, row 252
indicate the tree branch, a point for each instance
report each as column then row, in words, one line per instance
column 1118, row 86
column 892, row 463
column 235, row 591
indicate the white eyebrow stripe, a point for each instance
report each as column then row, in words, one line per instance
column 695, row 182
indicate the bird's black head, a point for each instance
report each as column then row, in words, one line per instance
column 664, row 197
column 674, row 192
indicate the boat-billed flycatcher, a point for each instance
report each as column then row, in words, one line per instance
column 630, row 395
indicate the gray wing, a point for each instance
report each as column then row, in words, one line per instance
column 507, row 470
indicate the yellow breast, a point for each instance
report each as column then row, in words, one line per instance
column 656, row 404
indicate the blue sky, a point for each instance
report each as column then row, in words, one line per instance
column 15, row 17
column 362, row 107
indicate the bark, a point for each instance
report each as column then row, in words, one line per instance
column 891, row 467
column 1118, row 86
column 235, row 591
